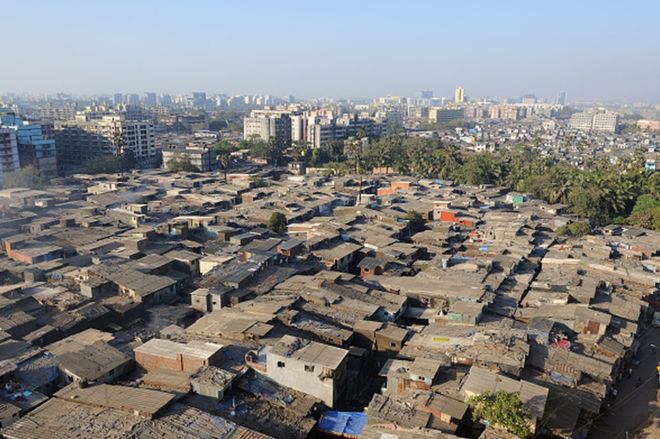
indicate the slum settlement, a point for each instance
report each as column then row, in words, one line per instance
column 184, row 305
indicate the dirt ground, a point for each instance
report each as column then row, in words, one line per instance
column 634, row 413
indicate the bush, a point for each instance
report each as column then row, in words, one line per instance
column 181, row 163
column 646, row 219
column 277, row 222
column 574, row 230
column 25, row 177
column 416, row 221
column 501, row 408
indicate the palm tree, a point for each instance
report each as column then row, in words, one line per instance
column 224, row 150
column 353, row 149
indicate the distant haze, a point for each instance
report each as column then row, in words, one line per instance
column 591, row 49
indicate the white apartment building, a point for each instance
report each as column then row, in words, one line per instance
column 87, row 138
column 267, row 124
column 605, row 121
column 459, row 95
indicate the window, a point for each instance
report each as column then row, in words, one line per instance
column 309, row 368
column 281, row 364
column 392, row 344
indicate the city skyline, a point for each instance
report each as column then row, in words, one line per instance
column 308, row 50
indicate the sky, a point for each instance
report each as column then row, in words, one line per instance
column 343, row 48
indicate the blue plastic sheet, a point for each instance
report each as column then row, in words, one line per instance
column 349, row 423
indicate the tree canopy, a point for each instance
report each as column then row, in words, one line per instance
column 277, row 222
column 27, row 177
column 600, row 194
column 180, row 162
column 416, row 221
column 503, row 409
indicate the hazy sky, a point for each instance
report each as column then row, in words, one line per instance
column 591, row 49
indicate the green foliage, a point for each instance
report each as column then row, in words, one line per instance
column 646, row 218
column 258, row 149
column 27, row 177
column 645, row 201
column 277, row 222
column 576, row 229
column 111, row 164
column 258, row 182
column 230, row 120
column 589, row 202
column 480, row 169
column 180, row 162
column 104, row 164
column 224, row 149
column 416, row 221
column 503, row 409
column 599, row 194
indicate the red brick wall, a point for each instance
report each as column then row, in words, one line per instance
column 151, row 362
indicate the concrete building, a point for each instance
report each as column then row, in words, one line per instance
column 150, row 99
column 444, row 115
column 323, row 130
column 203, row 158
column 310, row 367
column 561, row 98
column 87, row 138
column 267, row 124
column 35, row 147
column 298, row 124
column 8, row 152
column 604, row 121
column 186, row 357
column 459, row 95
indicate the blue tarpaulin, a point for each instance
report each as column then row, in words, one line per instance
column 347, row 423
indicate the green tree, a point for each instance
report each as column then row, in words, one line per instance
column 180, row 162
column 503, row 409
column 588, row 202
column 27, row 177
column 480, row 169
column 299, row 150
column 257, row 182
column 576, row 229
column 645, row 201
column 127, row 160
column 103, row 164
column 416, row 221
column 224, row 150
column 277, row 222
column 275, row 151
column 646, row 219
column 258, row 149
column 354, row 150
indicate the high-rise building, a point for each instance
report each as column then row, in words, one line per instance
column 35, row 146
column 267, row 124
column 150, row 99
column 85, row 139
column 561, row 98
column 444, row 115
column 199, row 99
column 459, row 95
column 427, row 94
column 8, row 152
column 322, row 130
column 605, row 121
column 528, row 99
column 118, row 99
column 133, row 99
column 297, row 128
